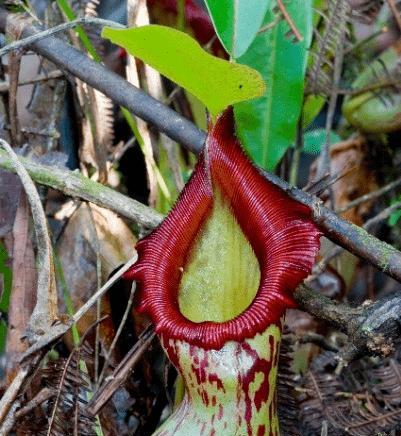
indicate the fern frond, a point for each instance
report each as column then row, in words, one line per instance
column 72, row 384
column 364, row 400
column 364, row 418
column 388, row 376
column 332, row 35
column 288, row 408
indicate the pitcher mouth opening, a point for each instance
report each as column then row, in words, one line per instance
column 221, row 275
column 283, row 239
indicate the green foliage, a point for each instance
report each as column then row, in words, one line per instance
column 313, row 104
column 267, row 125
column 67, row 10
column 315, row 139
column 216, row 82
column 15, row 6
column 237, row 22
column 6, row 278
column 134, row 128
column 395, row 217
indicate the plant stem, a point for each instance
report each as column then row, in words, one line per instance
column 296, row 155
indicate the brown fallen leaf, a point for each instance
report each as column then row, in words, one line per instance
column 10, row 189
column 350, row 157
column 77, row 254
column 23, row 292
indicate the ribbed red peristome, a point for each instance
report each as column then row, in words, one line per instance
column 279, row 229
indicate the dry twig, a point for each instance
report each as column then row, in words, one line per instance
column 22, row 43
column 109, row 352
column 122, row 371
column 381, row 216
column 370, row 196
column 59, row 329
column 289, row 20
column 395, row 12
column 45, row 311
column 56, row 74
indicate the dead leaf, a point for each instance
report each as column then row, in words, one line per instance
column 23, row 292
column 77, row 253
column 10, row 189
column 350, row 156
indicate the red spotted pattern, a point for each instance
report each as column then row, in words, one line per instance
column 221, row 394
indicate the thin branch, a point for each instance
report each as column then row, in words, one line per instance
column 56, row 74
column 370, row 196
column 45, row 311
column 289, row 20
column 296, row 155
column 22, row 43
column 395, row 12
column 12, row 392
column 9, row 422
column 387, row 83
column 53, row 134
column 269, row 26
column 94, row 238
column 67, row 58
column 371, row 328
column 122, row 371
column 59, row 329
column 13, row 73
column 42, row 396
column 118, row 333
column 76, row 185
column 319, row 340
column 17, row 385
column 383, row 215
column 324, row 162
column 113, row 279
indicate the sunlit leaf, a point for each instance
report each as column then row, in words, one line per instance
column 216, row 82
column 267, row 125
column 237, row 22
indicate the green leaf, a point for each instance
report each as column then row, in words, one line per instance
column 237, row 22
column 314, row 140
column 267, row 126
column 66, row 8
column 216, row 82
column 6, row 279
column 313, row 104
column 395, row 216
